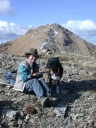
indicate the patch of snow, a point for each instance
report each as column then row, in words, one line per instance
column 43, row 46
column 54, row 32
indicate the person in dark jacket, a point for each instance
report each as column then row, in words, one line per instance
column 28, row 77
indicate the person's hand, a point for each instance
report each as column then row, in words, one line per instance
column 37, row 74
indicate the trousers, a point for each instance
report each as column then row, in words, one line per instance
column 39, row 87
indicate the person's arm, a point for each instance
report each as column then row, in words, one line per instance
column 24, row 73
column 36, row 72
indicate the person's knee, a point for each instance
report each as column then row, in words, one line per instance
column 34, row 79
column 40, row 79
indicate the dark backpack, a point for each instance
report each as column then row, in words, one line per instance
column 55, row 65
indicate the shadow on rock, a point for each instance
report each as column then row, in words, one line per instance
column 73, row 90
column 4, row 104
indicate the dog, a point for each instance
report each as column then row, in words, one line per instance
column 50, row 77
column 53, row 71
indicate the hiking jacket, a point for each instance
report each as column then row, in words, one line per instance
column 24, row 74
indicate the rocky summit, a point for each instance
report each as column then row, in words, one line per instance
column 76, row 104
column 49, row 37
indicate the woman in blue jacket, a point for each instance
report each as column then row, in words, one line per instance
column 28, row 77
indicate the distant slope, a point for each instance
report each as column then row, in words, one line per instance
column 52, row 37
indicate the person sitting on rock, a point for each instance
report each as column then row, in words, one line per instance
column 29, row 79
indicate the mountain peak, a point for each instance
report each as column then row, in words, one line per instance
column 50, row 37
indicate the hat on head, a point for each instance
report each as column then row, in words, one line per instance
column 32, row 51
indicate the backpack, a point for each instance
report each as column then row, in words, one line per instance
column 55, row 65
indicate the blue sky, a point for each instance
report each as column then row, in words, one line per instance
column 18, row 16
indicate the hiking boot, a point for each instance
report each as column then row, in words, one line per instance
column 44, row 101
column 53, row 101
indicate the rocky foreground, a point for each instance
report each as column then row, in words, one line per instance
column 76, row 105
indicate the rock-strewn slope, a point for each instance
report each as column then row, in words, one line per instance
column 78, row 93
column 53, row 37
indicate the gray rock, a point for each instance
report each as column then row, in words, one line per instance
column 60, row 111
column 11, row 114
